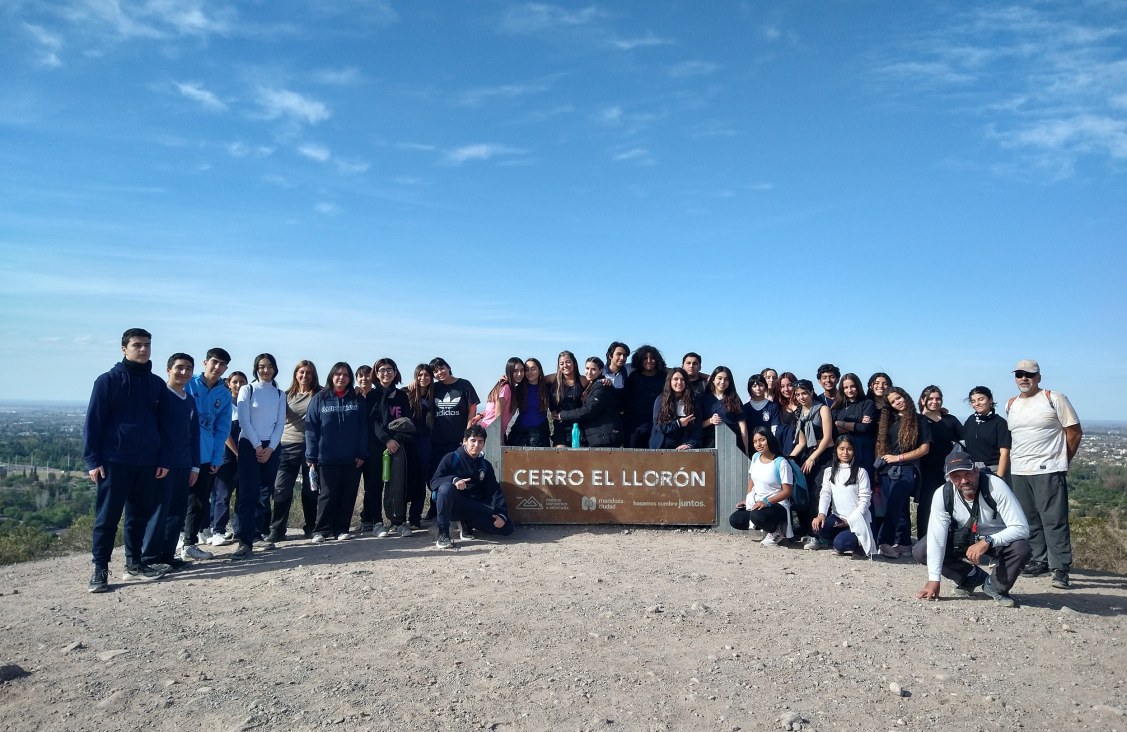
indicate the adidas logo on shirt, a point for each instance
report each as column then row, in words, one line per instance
column 447, row 407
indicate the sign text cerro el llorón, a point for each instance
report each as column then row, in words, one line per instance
column 560, row 486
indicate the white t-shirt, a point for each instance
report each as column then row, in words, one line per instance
column 765, row 484
column 1037, row 430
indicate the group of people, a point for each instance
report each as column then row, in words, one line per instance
column 168, row 454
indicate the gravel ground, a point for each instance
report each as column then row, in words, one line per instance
column 553, row 628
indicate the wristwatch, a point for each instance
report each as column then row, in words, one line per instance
column 989, row 540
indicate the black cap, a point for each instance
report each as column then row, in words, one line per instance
column 957, row 460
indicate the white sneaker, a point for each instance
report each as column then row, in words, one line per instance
column 205, row 534
column 317, row 539
column 381, row 530
column 404, row 531
column 194, row 552
column 773, row 539
column 810, row 543
column 219, row 540
column 344, row 537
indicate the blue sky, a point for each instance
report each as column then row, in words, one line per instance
column 931, row 191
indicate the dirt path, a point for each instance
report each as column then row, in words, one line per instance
column 552, row 629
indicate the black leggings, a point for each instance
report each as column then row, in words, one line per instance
column 765, row 519
column 337, row 498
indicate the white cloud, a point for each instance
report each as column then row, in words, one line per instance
column 628, row 44
column 713, row 128
column 476, row 97
column 686, row 69
column 338, row 77
column 240, row 149
column 609, row 116
column 277, row 180
column 1082, row 134
column 50, row 44
column 320, row 153
column 195, row 91
column 533, row 17
column 406, row 180
column 351, row 167
column 481, row 151
column 368, row 11
column 416, row 146
column 285, row 103
column 638, row 155
column 328, row 209
column 154, row 19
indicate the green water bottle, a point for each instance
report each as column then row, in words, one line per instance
column 386, row 466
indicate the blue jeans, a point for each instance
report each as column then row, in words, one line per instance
column 838, row 534
column 455, row 505
column 130, row 489
column 226, row 481
column 256, row 485
column 897, row 495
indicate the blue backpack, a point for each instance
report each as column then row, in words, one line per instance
column 800, row 495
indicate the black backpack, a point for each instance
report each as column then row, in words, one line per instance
column 960, row 538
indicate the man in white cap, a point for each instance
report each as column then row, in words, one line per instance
column 1046, row 434
column 974, row 515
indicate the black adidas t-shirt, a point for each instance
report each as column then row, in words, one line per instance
column 452, row 409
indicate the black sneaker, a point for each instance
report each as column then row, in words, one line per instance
column 174, row 563
column 1035, row 569
column 274, row 538
column 999, row 597
column 444, row 541
column 976, row 579
column 243, row 552
column 144, row 572
column 264, row 543
column 1060, row 579
column 466, row 531
column 99, row 581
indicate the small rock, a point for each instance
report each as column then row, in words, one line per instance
column 653, row 609
column 109, row 655
column 203, row 689
column 1066, row 610
column 896, row 689
column 1105, row 709
column 1067, row 628
column 113, row 700
column 901, row 723
column 943, row 677
column 790, row 719
column 988, row 699
column 74, row 646
column 845, row 644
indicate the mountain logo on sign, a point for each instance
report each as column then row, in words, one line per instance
column 530, row 503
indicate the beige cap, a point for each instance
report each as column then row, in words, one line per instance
column 1028, row 365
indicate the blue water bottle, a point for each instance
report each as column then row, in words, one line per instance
column 575, row 435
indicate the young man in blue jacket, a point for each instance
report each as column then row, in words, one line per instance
column 126, row 451
column 468, row 491
column 163, row 531
column 213, row 405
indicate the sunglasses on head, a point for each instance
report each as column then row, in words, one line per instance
column 1024, row 374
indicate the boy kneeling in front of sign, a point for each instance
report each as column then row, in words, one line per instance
column 469, row 492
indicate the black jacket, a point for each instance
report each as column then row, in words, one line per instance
column 482, row 481
column 384, row 407
column 598, row 417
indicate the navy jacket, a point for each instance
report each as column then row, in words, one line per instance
column 672, row 435
column 336, row 428
column 767, row 417
column 598, row 418
column 184, row 430
column 128, row 420
column 482, row 481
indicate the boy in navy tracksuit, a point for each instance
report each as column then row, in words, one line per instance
column 468, row 491
column 126, row 450
column 336, row 443
column 163, row 530
column 213, row 406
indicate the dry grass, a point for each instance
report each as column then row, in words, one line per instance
column 1099, row 543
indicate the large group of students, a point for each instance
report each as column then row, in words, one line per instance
column 836, row 465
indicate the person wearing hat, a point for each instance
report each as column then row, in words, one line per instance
column 1045, row 434
column 973, row 516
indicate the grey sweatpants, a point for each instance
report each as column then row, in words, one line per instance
column 1010, row 559
column 1044, row 498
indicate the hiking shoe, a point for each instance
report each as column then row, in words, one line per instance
column 444, row 541
column 205, row 533
column 365, row 527
column 967, row 587
column 381, row 530
column 888, row 552
column 219, row 540
column 416, row 527
column 243, row 552
column 99, row 581
column 345, row 536
column 773, row 539
column 264, row 543
column 404, row 531
column 1035, row 569
column 171, row 564
column 274, row 538
column 144, row 572
column 319, row 539
column 466, row 531
column 194, row 552
column 999, row 597
column 1060, row 579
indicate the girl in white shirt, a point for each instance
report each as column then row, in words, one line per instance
column 769, row 487
column 845, row 488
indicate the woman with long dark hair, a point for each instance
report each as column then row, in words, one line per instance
column 946, row 431
column 720, row 404
column 336, row 446
column 392, row 428
column 598, row 417
column 783, row 395
column 531, row 427
column 421, row 399
column 565, row 393
column 843, row 505
column 987, row 435
column 303, row 386
column 262, row 418
column 675, row 422
column 855, row 414
column 812, row 450
column 504, row 397
column 771, row 378
column 644, row 384
column 770, row 485
column 879, row 385
column 903, row 438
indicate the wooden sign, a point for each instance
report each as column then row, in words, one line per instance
column 561, row 486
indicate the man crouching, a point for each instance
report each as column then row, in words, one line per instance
column 468, row 491
column 974, row 515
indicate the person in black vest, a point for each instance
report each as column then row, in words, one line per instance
column 974, row 514
column 598, row 417
column 468, row 492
